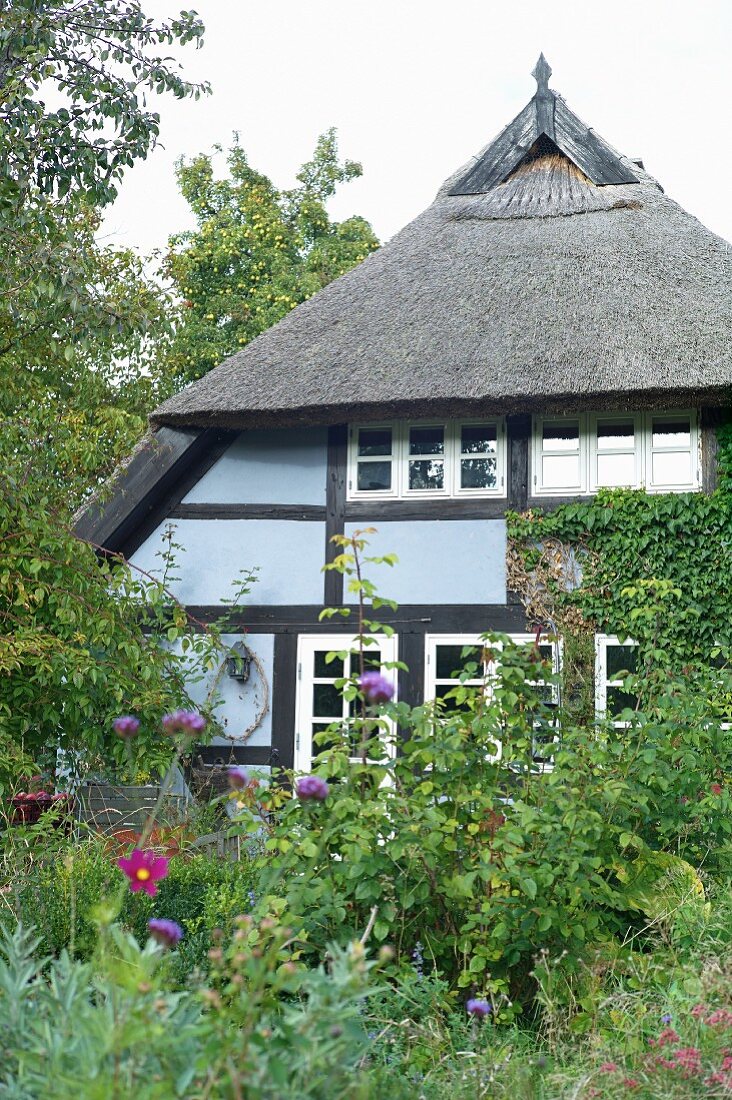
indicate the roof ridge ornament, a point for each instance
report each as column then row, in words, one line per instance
column 541, row 72
column 545, row 113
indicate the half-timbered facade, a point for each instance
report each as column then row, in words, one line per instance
column 551, row 325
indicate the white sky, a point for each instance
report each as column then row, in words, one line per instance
column 416, row 87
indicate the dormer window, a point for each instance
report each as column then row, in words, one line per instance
column 427, row 459
column 576, row 455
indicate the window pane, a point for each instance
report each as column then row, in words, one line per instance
column 671, row 432
column 478, row 439
column 618, row 700
column 327, row 701
column 429, row 474
column 615, row 437
column 332, row 670
column 442, row 690
column 615, row 469
column 426, row 441
column 620, row 658
column 561, row 435
column 671, row 468
column 374, row 441
column 449, row 664
column 478, row 473
column 560, row 471
column 374, row 476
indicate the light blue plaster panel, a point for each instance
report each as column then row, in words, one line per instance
column 449, row 561
column 279, row 466
column 241, row 704
column 288, row 553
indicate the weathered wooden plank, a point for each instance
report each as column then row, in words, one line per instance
column 518, row 433
column 335, row 508
column 502, row 155
column 408, row 618
column 711, row 419
column 284, row 687
column 378, row 511
column 249, row 511
column 587, row 149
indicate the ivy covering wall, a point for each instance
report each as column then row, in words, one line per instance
column 654, row 568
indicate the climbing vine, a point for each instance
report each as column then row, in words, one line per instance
column 656, row 568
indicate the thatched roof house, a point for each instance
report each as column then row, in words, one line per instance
column 549, row 270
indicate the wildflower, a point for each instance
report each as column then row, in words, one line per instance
column 144, row 869
column 478, row 1007
column 668, row 1035
column 666, row 1018
column 166, row 932
column 238, row 778
column 376, row 687
column 698, row 1010
column 631, row 1082
column 609, row 1067
column 722, row 1017
column 716, row 788
column 311, row 788
column 418, row 959
column 126, row 725
column 188, row 722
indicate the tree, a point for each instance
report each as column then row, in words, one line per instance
column 256, row 252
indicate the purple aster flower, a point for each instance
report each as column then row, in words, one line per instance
column 166, row 932
column 477, row 1007
column 238, row 778
column 376, row 687
column 126, row 725
column 311, row 788
column 666, row 1018
column 187, row 722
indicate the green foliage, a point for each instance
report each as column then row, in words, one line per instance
column 99, row 59
column 113, row 1028
column 256, row 251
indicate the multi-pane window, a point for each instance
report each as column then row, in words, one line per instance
column 614, row 661
column 320, row 700
column 424, row 459
column 580, row 454
column 460, row 659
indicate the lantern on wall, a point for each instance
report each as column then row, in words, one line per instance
column 239, row 663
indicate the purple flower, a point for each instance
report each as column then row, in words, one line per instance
column 376, row 687
column 311, row 788
column 238, row 778
column 478, row 1008
column 666, row 1018
column 166, row 932
column 184, row 721
column 126, row 725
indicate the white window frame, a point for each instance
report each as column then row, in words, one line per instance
column 602, row 643
column 307, row 646
column 538, row 451
column 643, row 450
column 694, row 449
column 595, row 451
column 453, row 457
column 490, row 669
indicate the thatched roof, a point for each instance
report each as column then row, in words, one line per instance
column 537, row 287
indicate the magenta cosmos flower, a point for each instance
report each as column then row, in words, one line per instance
column 188, row 722
column 476, row 1006
column 238, row 778
column 126, row 725
column 376, row 687
column 311, row 788
column 144, row 870
column 165, row 932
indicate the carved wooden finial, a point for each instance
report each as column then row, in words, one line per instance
column 541, row 73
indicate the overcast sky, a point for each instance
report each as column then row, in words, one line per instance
column 416, row 87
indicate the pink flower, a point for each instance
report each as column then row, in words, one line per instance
column 311, row 788
column 144, row 870
column 376, row 687
column 698, row 1010
column 716, row 788
column 126, row 725
column 722, row 1017
column 631, row 1082
column 187, row 722
column 609, row 1067
column 238, row 778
